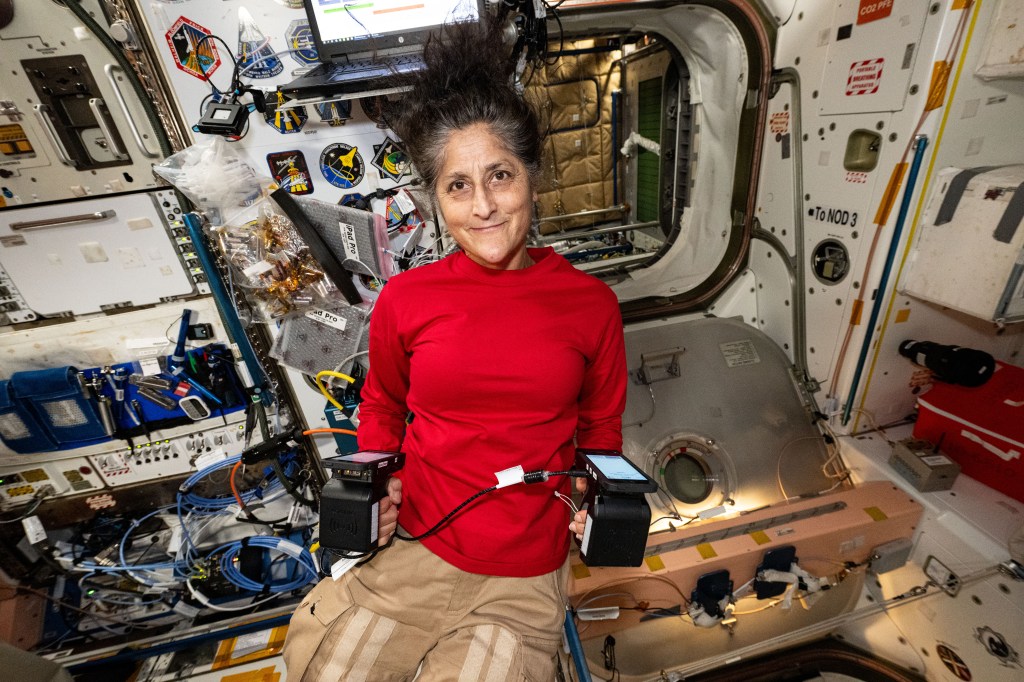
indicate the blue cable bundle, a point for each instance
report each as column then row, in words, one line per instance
column 133, row 570
column 198, row 504
column 189, row 502
column 301, row 557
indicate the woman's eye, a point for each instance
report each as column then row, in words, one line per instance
column 502, row 176
column 457, row 186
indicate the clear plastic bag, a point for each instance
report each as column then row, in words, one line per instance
column 215, row 179
column 272, row 265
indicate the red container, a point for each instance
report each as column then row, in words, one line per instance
column 981, row 428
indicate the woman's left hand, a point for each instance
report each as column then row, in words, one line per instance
column 388, row 511
column 579, row 520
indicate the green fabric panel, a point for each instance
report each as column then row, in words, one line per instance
column 648, row 164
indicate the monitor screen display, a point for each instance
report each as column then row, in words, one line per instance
column 345, row 26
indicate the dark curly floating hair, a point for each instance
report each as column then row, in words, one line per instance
column 468, row 79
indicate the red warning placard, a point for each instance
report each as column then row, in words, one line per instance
column 865, row 77
column 779, row 123
column 873, row 10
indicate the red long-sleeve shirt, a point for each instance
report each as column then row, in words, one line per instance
column 498, row 368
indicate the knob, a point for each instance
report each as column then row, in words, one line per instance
column 122, row 31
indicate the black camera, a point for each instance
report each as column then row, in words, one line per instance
column 618, row 516
column 952, row 364
column 350, row 500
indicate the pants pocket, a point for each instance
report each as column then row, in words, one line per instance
column 310, row 623
column 538, row 659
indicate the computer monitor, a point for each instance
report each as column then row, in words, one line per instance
column 346, row 28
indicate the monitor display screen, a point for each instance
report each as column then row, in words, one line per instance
column 346, row 26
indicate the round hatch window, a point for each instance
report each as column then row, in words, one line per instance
column 687, row 478
column 693, row 473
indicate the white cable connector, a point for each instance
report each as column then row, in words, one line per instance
column 509, row 476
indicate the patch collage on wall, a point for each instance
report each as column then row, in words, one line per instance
column 199, row 51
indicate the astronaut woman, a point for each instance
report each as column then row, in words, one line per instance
column 495, row 356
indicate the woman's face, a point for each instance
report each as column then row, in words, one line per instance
column 484, row 193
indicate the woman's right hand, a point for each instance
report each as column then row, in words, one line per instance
column 387, row 520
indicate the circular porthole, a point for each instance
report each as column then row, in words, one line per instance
column 687, row 477
column 830, row 261
column 693, row 472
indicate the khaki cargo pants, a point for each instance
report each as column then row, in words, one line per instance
column 407, row 607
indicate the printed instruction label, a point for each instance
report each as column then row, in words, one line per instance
column 326, row 317
column 739, row 353
column 150, row 367
column 251, row 642
column 209, row 459
column 348, row 240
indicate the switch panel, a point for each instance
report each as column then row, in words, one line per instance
column 19, row 485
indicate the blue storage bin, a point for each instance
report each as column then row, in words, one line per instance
column 19, row 429
column 55, row 398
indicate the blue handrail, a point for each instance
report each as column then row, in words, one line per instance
column 576, row 648
column 920, row 144
column 224, row 302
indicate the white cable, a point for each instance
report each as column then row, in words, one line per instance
column 567, row 501
column 346, row 360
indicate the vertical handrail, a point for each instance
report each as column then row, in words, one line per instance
column 119, row 96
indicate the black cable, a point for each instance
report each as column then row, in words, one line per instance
column 276, row 524
column 437, row 526
column 233, row 88
column 561, row 37
column 288, row 486
column 529, row 477
column 364, row 557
